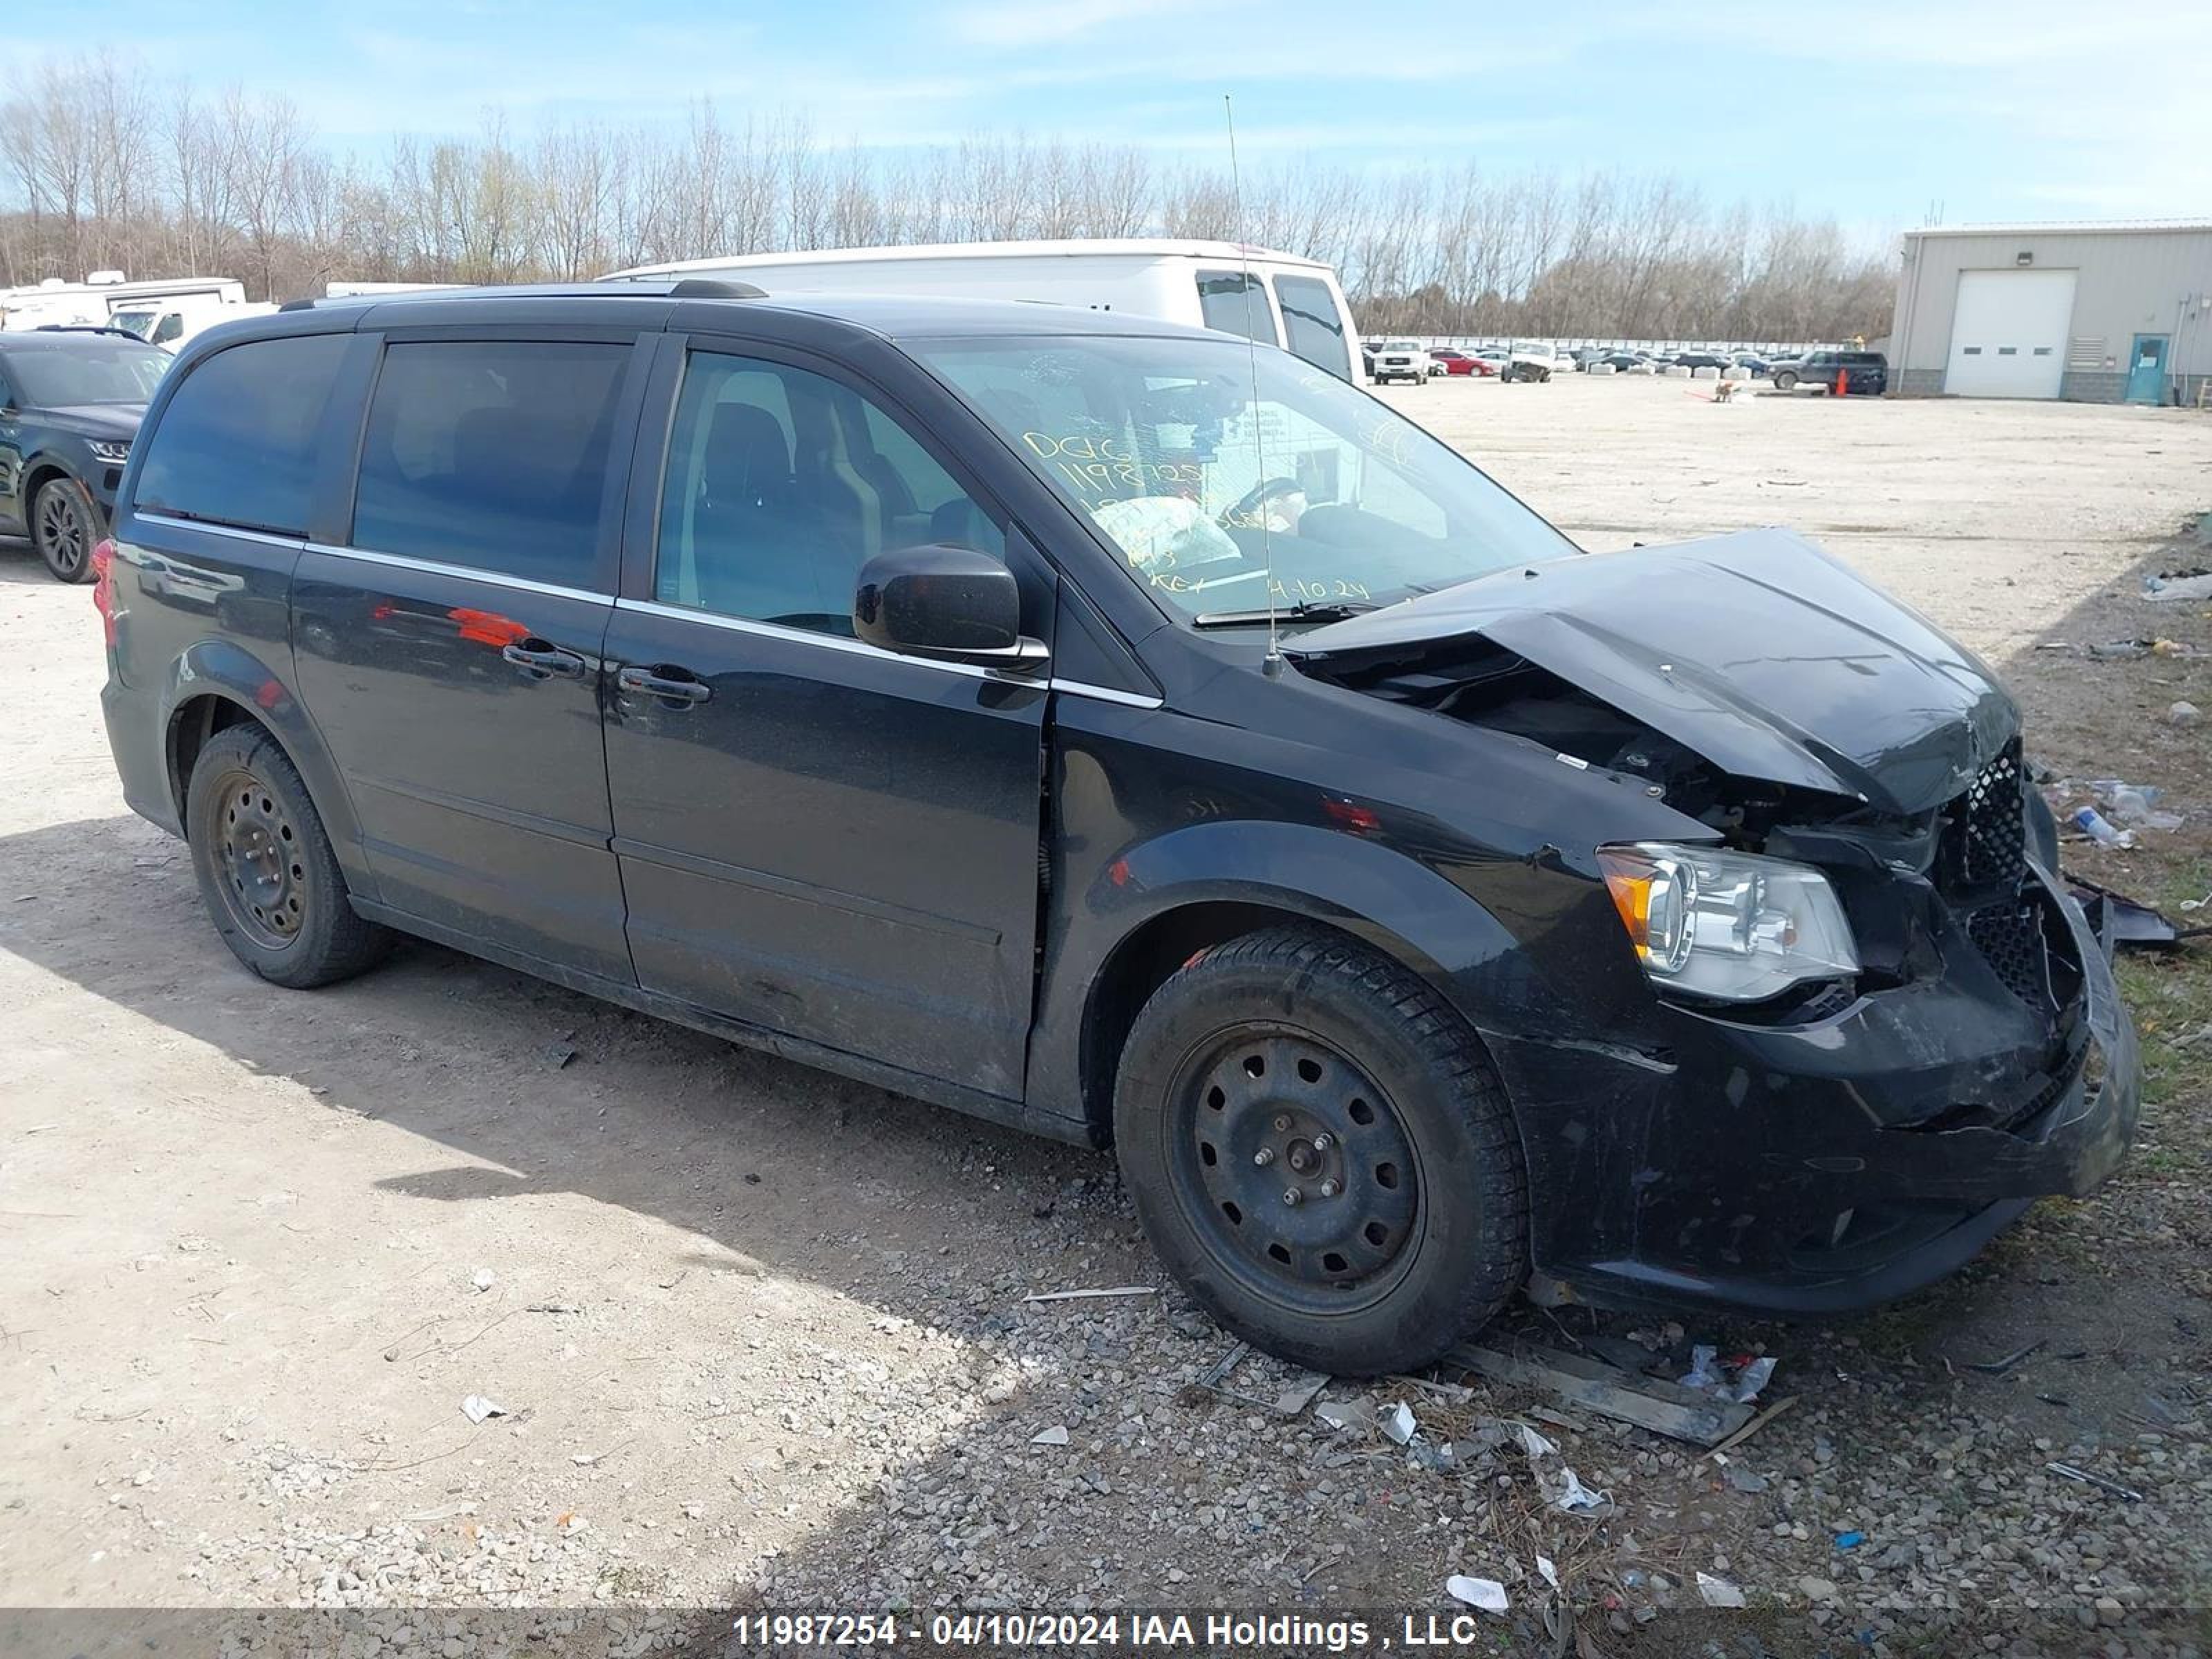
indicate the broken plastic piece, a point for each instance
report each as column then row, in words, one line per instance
column 1054, row 1436
column 1718, row 1592
column 1397, row 1423
column 1487, row 1594
column 477, row 1408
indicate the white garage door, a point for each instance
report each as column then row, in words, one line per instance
column 2008, row 333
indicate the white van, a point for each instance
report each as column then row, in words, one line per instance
column 97, row 300
column 169, row 323
column 1280, row 299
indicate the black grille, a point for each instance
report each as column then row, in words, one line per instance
column 1988, row 838
column 2009, row 936
column 1984, row 871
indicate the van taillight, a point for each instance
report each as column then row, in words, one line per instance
column 103, row 586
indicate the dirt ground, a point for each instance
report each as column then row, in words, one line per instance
column 759, row 1333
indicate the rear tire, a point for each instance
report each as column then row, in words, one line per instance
column 271, row 882
column 1296, row 1059
column 64, row 524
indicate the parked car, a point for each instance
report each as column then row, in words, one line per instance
column 1751, row 363
column 1399, row 359
column 1862, row 373
column 1696, row 360
column 1529, row 359
column 1443, row 360
column 1103, row 728
column 71, row 400
column 1621, row 362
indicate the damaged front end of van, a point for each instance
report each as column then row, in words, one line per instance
column 1877, row 1027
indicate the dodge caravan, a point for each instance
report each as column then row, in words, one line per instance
column 1085, row 722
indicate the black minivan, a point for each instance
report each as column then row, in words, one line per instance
column 1089, row 724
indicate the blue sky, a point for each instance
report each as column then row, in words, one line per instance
column 1870, row 111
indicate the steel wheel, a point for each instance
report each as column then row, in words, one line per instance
column 262, row 866
column 1294, row 1164
column 59, row 527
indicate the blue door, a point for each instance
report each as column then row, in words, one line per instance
column 2147, row 370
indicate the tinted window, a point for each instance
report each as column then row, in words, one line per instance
column 236, row 443
column 1235, row 304
column 87, row 369
column 782, row 483
column 491, row 453
column 1313, row 324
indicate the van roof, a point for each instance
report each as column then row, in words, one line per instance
column 1156, row 248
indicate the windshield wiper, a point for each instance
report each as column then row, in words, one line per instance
column 1305, row 611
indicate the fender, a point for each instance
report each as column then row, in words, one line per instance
column 1393, row 902
column 225, row 668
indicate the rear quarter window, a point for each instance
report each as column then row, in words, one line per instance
column 1313, row 322
column 235, row 444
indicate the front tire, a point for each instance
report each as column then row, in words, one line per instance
column 1785, row 382
column 267, row 874
column 1295, row 1061
column 64, row 524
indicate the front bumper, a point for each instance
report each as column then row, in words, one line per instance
column 1819, row 1168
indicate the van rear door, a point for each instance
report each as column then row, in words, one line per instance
column 1316, row 324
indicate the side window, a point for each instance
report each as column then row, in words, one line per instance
column 492, row 454
column 168, row 328
column 1235, row 304
column 235, row 444
column 1314, row 324
column 781, row 483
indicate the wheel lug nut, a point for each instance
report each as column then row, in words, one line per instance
column 1324, row 1141
column 1330, row 1189
column 1264, row 1157
column 1292, row 1196
column 1282, row 1125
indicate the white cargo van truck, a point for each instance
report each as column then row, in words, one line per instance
column 94, row 301
column 1278, row 299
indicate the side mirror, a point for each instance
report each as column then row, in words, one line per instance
column 952, row 603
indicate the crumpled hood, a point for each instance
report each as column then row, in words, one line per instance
column 1756, row 650
column 104, row 420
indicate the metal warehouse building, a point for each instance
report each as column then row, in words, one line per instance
column 2115, row 312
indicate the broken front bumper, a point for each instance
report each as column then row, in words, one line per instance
column 1812, row 1169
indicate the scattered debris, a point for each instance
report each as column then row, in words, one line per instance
column 558, row 1054
column 1738, row 1380
column 477, row 1408
column 1487, row 1594
column 1054, row 1436
column 1563, row 1490
column 1550, row 1572
column 2178, row 586
column 1849, row 1540
column 2135, row 804
column 1296, row 1396
column 484, row 1278
column 1718, row 1592
column 1999, row 1367
column 1754, row 1425
column 1089, row 1296
column 1743, row 1479
column 553, row 1308
column 2128, row 923
column 1220, row 1369
column 1397, row 1423
column 2092, row 823
column 1649, row 1402
column 1347, row 1414
column 2098, row 1480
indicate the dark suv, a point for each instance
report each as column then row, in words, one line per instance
column 1855, row 374
column 1073, row 719
column 71, row 400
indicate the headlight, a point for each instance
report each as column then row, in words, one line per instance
column 1727, row 925
column 110, row 449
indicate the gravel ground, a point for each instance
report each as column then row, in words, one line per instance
column 759, row 1334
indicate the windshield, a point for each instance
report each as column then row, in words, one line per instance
column 89, row 370
column 1205, row 488
column 140, row 323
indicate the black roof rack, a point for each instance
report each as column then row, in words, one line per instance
column 687, row 287
column 88, row 328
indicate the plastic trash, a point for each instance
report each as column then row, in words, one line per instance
column 1487, row 1594
column 1718, row 1592
column 1054, row 1436
column 1563, row 1488
column 1849, row 1540
column 483, row 1279
column 477, row 1408
column 2179, row 587
column 1397, row 1423
column 1707, row 1375
column 2092, row 823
